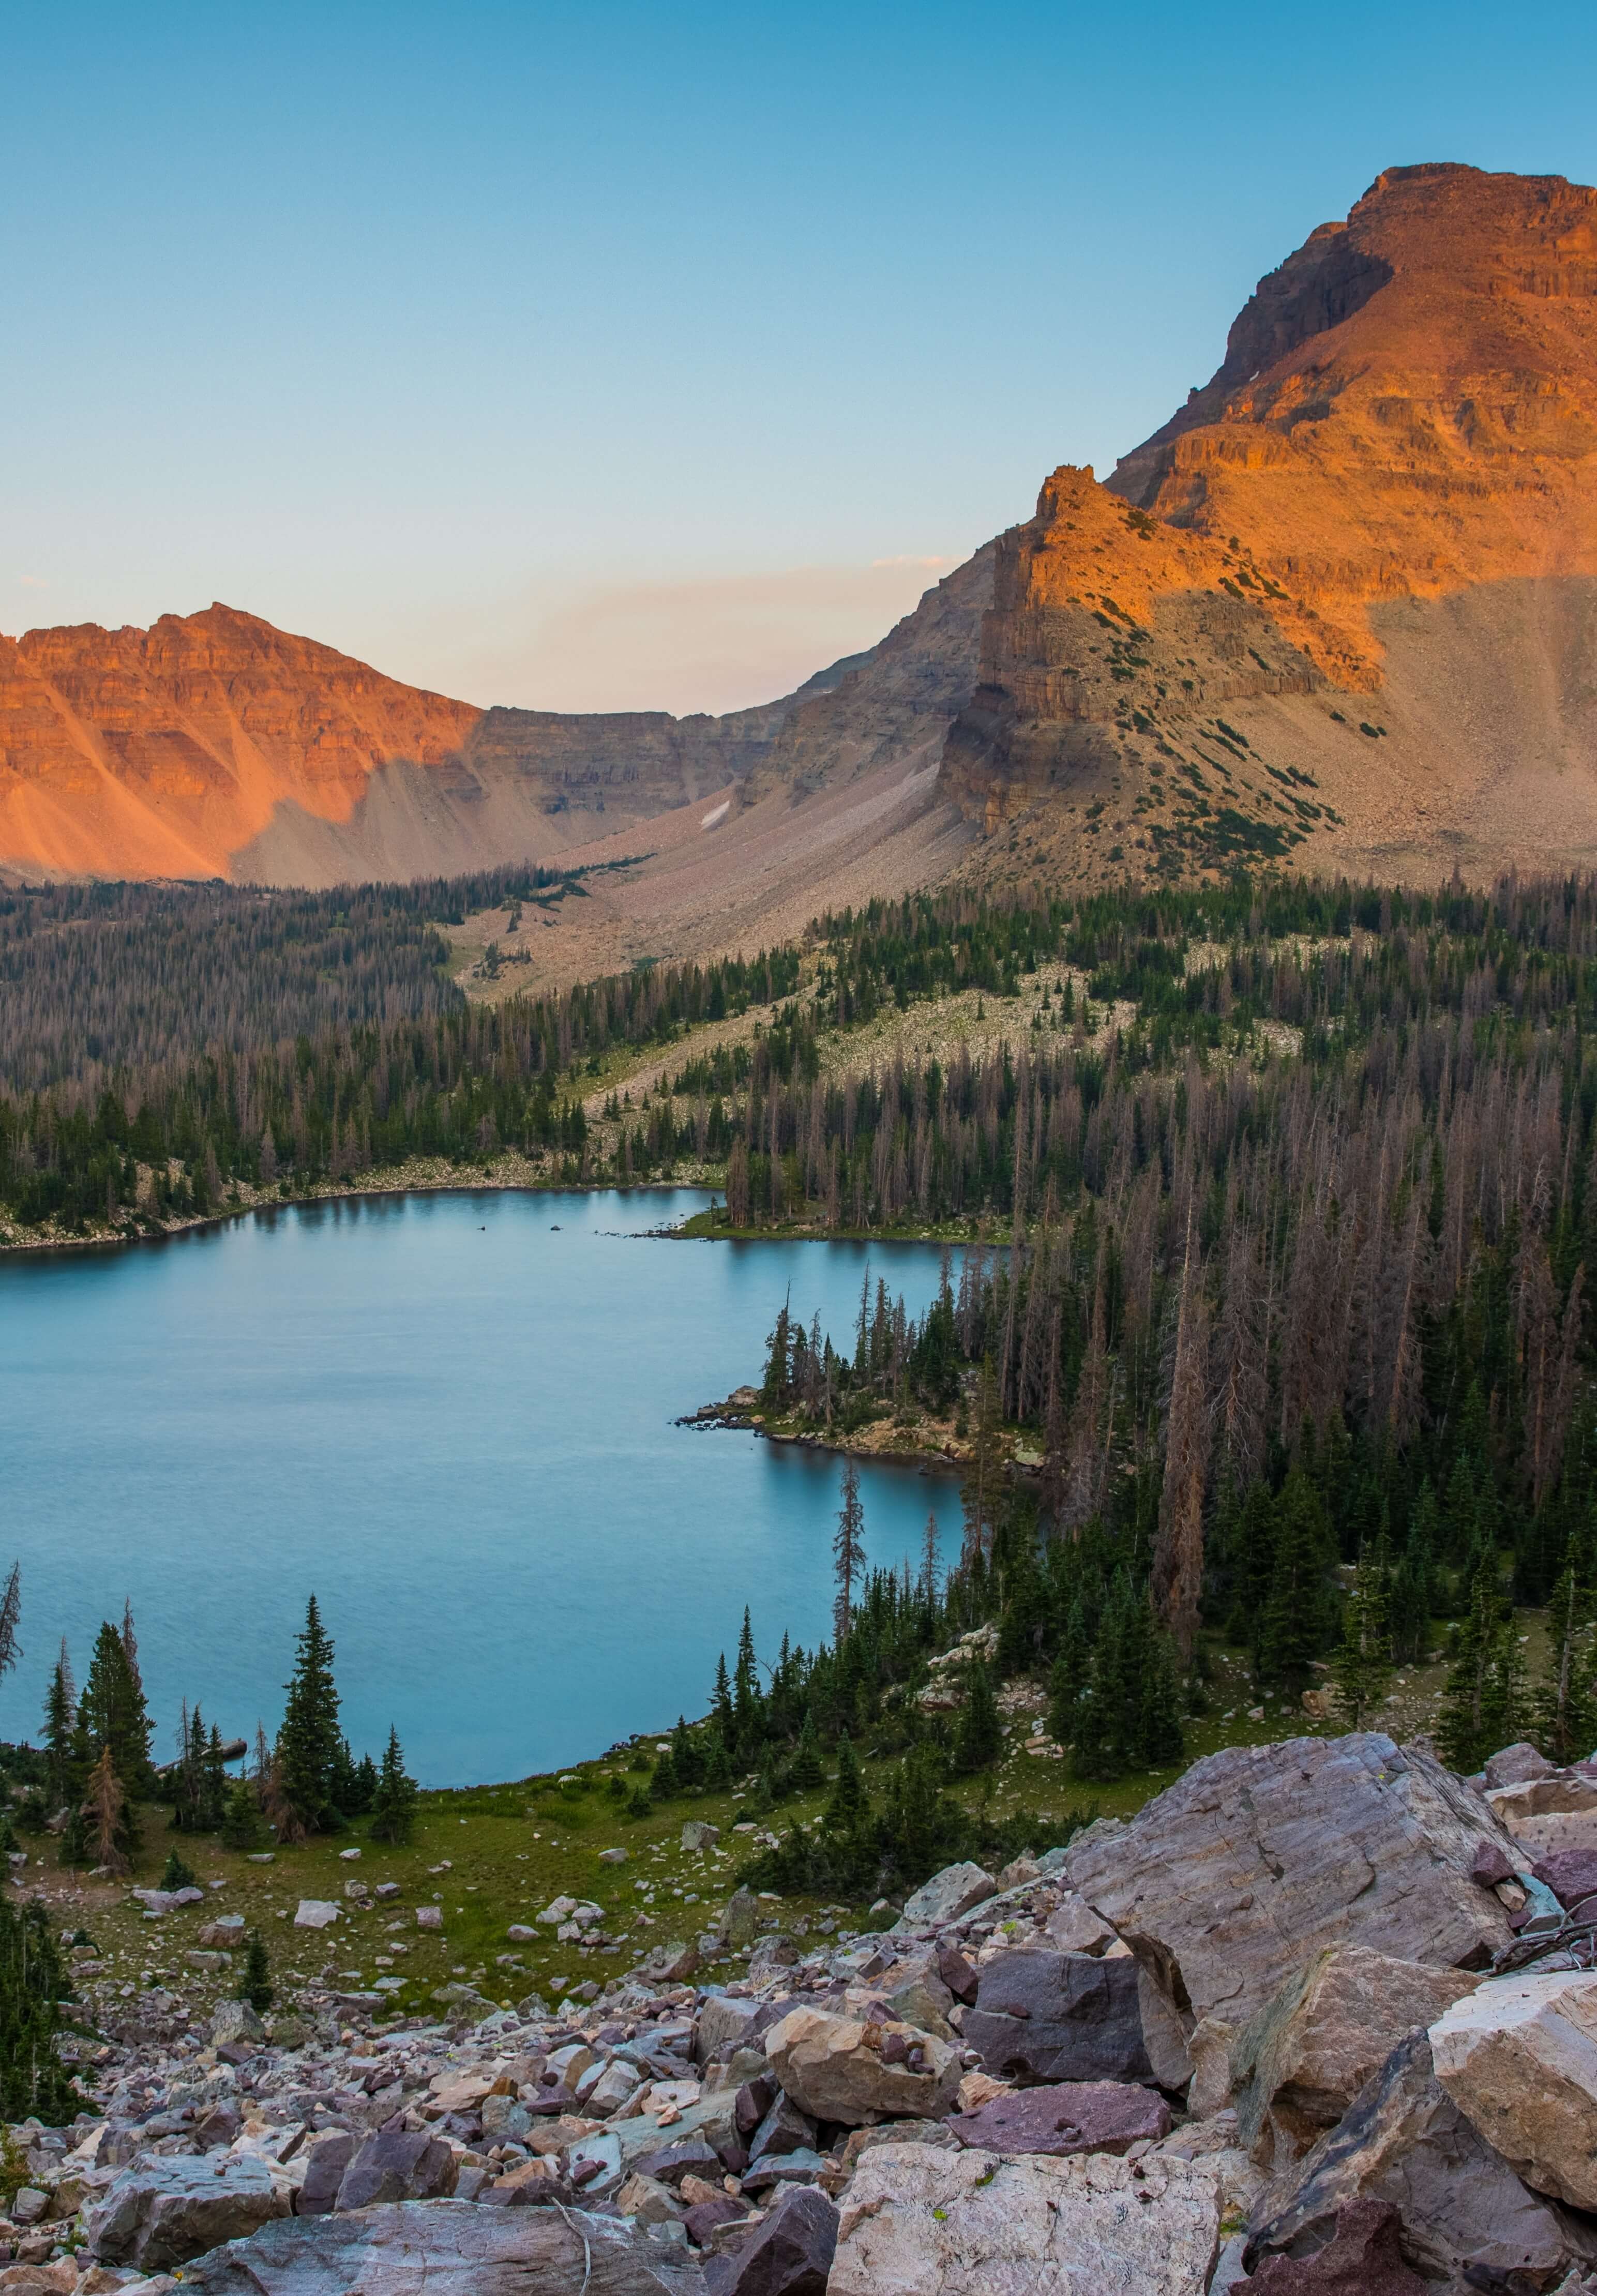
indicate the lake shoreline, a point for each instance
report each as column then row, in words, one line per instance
column 740, row 1413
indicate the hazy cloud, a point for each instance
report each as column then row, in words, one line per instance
column 714, row 643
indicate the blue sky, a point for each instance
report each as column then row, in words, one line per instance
column 616, row 356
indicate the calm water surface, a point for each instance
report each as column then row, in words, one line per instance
column 450, row 1416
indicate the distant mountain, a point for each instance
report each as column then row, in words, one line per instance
column 213, row 744
column 1343, row 605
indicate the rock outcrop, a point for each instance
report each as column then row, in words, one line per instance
column 1261, row 1857
column 1344, row 603
column 1518, row 2058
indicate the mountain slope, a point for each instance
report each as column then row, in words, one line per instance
column 1344, row 605
column 213, row 744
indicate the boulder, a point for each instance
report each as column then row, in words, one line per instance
column 922, row 2221
column 1518, row 2058
column 917, row 1995
column 697, row 1833
column 1060, row 2017
column 226, row 1930
column 1544, row 1815
column 450, row 2248
column 957, row 1889
column 1259, row 1856
column 803, row 2166
column 850, row 2070
column 397, row 2164
column 1571, row 1875
column 1464, row 2216
column 1297, row 2066
column 234, row 2021
column 1516, row 1765
column 162, row 2211
column 328, row 2158
column 1363, row 2259
column 1066, row 2117
column 723, row 2024
column 430, row 1918
column 790, row 2254
column 1073, row 1927
column 742, row 1918
column 315, row 1913
column 650, row 2202
column 958, row 1974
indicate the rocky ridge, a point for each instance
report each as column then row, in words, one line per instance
column 1343, row 605
column 1278, row 2076
column 213, row 744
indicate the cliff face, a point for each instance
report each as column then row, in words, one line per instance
column 213, row 744
column 1343, row 598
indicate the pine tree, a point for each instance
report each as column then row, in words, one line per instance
column 978, row 1734
column 848, row 1803
column 927, row 1582
column 63, row 1786
column 241, row 1824
column 11, row 1618
column 1565, row 1704
column 1298, row 1612
column 309, row 1745
column 1483, row 1701
column 1362, row 1667
column 1178, row 1554
column 33, row 2079
column 394, row 1804
column 983, row 1484
column 721, row 1713
column 256, row 1986
column 1069, row 1676
column 848, row 1553
column 113, row 1711
column 176, row 1874
column 213, row 1781
column 809, row 1768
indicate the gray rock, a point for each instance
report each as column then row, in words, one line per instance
column 397, row 2164
column 1066, row 2117
column 163, row 2211
column 742, row 1918
column 790, row 2254
column 1520, row 2058
column 1060, row 2017
column 957, row 1889
column 697, row 1833
column 449, row 2248
column 784, row 2129
column 723, row 2025
column 921, row 2221
column 1465, row 2216
column 329, row 2156
column 1259, row 1856
column 30, row 2205
column 1516, row 1765
column 315, row 1913
column 800, row 2168
column 236, row 2021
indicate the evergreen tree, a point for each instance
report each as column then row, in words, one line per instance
column 1068, row 1677
column 1362, row 1667
column 33, row 2080
column 310, row 1744
column 810, row 1768
column 1160, row 1739
column 64, row 1785
column 394, row 1803
column 721, row 1713
column 256, row 1986
column 847, row 1804
column 1299, row 1612
column 241, row 1824
column 113, row 1711
column 1483, row 1702
column 214, row 1782
column 663, row 1785
column 1253, row 1562
column 978, row 1734
column 848, row 1553
column 1565, row 1704
column 176, row 1874
column 746, row 1701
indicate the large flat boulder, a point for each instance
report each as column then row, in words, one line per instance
column 1464, row 2216
column 1298, row 2065
column 1260, row 1856
column 397, row 2164
column 1518, row 2057
column 1550, row 1814
column 160, row 2212
column 448, row 2248
column 919, row 2220
column 854, row 2069
column 1072, row 2017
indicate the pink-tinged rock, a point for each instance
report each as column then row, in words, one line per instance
column 1571, row 1875
column 1066, row 2117
column 1491, row 1864
column 1362, row 2260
